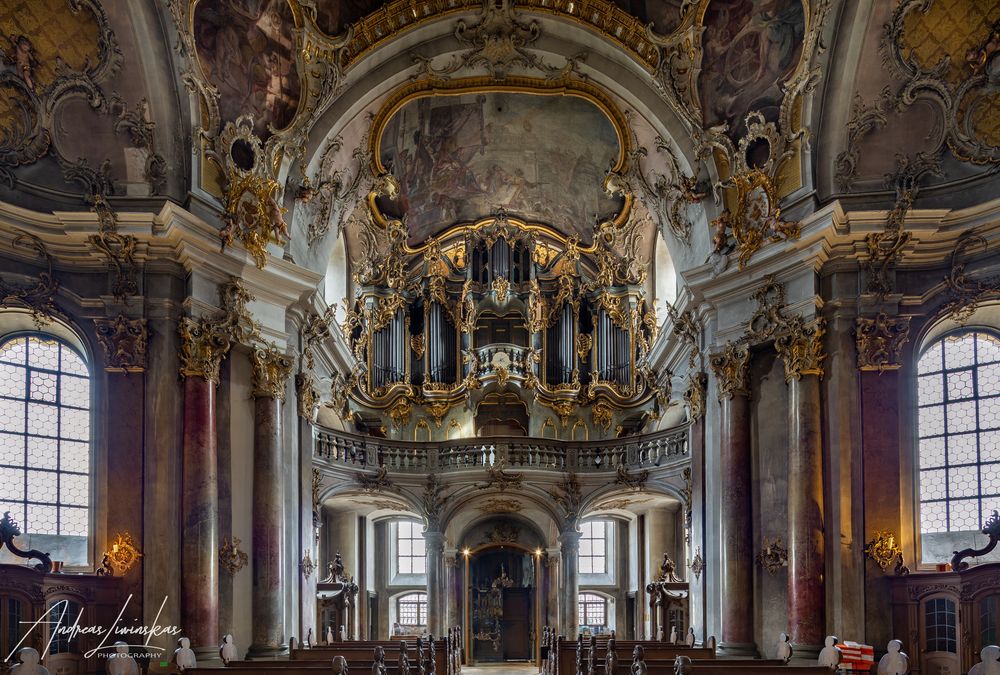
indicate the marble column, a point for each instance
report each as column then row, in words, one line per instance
column 553, row 562
column 736, row 489
column 271, row 370
column 203, row 347
column 569, row 583
column 802, row 351
column 435, row 582
column 452, row 617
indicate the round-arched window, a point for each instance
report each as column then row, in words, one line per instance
column 45, row 444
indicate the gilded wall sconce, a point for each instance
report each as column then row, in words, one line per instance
column 697, row 564
column 773, row 555
column 231, row 558
column 123, row 555
column 307, row 565
column 882, row 549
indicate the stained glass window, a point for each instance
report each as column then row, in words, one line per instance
column 411, row 550
column 45, row 436
column 592, row 610
column 958, row 390
column 411, row 609
column 594, row 547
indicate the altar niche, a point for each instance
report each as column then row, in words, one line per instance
column 502, row 601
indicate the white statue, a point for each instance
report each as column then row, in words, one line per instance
column 895, row 662
column 689, row 640
column 184, row 655
column 989, row 664
column 659, row 634
column 121, row 662
column 784, row 650
column 829, row 656
column 228, row 650
column 673, row 635
column 343, row 633
column 309, row 639
column 29, row 664
column 329, row 635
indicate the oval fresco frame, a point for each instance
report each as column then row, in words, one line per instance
column 211, row 96
column 512, row 85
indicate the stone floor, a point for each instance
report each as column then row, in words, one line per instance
column 501, row 669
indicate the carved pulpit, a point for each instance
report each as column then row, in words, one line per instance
column 336, row 600
column 668, row 600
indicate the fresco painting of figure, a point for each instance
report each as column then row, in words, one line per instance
column 459, row 158
column 247, row 51
column 750, row 48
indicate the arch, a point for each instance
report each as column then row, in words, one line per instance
column 549, row 429
column 454, row 430
column 47, row 440
column 580, row 432
column 408, row 611
column 422, row 428
column 594, row 609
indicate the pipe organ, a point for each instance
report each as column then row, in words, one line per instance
column 501, row 307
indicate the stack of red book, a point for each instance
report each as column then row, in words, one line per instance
column 856, row 657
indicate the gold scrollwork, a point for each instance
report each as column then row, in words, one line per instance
column 306, row 396
column 124, row 554
column 584, row 343
column 231, row 557
column 883, row 550
column 731, row 368
column 801, row 348
column 773, row 555
column 124, row 343
column 602, row 413
column 694, row 395
column 880, row 341
column 271, row 370
column 756, row 217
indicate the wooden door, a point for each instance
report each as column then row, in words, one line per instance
column 516, row 624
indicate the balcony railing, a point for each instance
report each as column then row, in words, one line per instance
column 651, row 450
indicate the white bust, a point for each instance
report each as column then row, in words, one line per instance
column 989, row 664
column 829, row 656
column 121, row 663
column 784, row 648
column 329, row 635
column 184, row 655
column 895, row 662
column 228, row 650
column 29, row 664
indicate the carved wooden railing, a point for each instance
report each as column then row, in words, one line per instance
column 656, row 449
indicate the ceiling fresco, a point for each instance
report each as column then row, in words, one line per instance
column 247, row 50
column 460, row 158
column 750, row 48
column 333, row 17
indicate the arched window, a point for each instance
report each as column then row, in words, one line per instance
column 959, row 436
column 45, row 443
column 411, row 610
column 592, row 610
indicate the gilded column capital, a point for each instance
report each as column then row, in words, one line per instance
column 731, row 368
column 694, row 395
column 124, row 343
column 801, row 348
column 203, row 346
column 880, row 341
column 271, row 369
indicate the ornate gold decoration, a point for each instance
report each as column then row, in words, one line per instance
column 769, row 318
column 124, row 343
column 315, row 329
column 687, row 492
column 203, row 347
column 802, row 349
column 968, row 292
column 417, row 345
column 731, row 369
column 306, row 396
column 400, row 412
column 501, row 289
column 635, row 483
column 618, row 504
column 437, row 410
column 694, row 395
column 271, row 370
column 124, row 554
column 584, row 343
column 697, row 564
column 231, row 558
column 773, row 555
column 433, row 500
column 119, row 248
column 500, row 479
column 503, row 533
column 880, row 341
column 602, row 413
column 500, row 505
column 882, row 549
column 307, row 565
column 865, row 118
column 498, row 42
column 37, row 298
column 378, row 483
column 756, row 217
